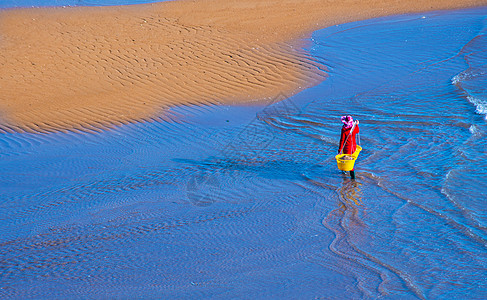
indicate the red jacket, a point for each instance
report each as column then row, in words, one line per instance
column 351, row 144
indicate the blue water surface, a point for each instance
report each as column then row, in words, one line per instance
column 247, row 202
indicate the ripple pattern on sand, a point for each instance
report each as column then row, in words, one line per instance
column 99, row 69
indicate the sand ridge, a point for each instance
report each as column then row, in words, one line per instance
column 84, row 68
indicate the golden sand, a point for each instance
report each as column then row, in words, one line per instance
column 94, row 67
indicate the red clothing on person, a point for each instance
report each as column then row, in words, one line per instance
column 351, row 144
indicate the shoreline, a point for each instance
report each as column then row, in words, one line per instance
column 80, row 68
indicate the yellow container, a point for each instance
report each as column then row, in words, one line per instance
column 347, row 164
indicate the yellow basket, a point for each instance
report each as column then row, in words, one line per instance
column 347, row 164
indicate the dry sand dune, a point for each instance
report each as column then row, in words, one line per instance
column 85, row 67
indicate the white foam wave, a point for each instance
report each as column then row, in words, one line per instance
column 465, row 79
column 466, row 75
column 457, row 79
column 473, row 129
column 480, row 105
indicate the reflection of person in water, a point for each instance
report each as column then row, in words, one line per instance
column 348, row 144
column 350, row 199
column 350, row 192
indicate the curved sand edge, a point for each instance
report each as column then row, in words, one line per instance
column 86, row 68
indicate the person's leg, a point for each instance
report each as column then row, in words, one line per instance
column 352, row 174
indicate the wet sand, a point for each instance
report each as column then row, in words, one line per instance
column 95, row 67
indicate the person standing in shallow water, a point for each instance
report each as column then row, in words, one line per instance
column 348, row 144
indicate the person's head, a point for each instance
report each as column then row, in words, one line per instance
column 347, row 121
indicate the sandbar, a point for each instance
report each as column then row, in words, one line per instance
column 89, row 68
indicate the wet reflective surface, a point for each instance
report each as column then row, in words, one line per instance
column 247, row 202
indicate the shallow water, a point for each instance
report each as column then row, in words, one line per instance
column 247, row 202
